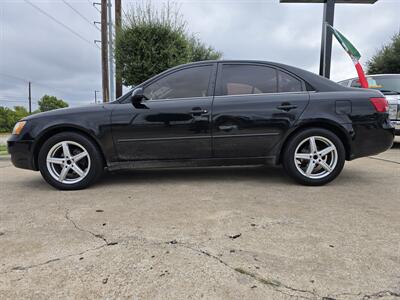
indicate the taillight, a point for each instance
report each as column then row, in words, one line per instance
column 380, row 104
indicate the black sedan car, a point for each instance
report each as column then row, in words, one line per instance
column 211, row 113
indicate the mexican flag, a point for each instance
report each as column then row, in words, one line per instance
column 353, row 52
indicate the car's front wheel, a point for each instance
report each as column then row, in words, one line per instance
column 70, row 161
column 314, row 156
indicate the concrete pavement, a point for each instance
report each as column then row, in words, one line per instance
column 213, row 233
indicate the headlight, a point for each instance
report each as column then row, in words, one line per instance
column 18, row 127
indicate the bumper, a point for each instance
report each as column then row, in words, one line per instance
column 21, row 153
column 371, row 139
column 396, row 126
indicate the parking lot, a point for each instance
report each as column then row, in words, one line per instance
column 213, row 233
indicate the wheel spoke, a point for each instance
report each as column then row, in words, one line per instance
column 79, row 156
column 310, row 167
column 313, row 145
column 325, row 166
column 63, row 173
column 66, row 149
column 326, row 151
column 303, row 156
column 77, row 170
column 55, row 160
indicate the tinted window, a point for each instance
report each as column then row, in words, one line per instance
column 248, row 79
column 190, row 82
column 344, row 83
column 288, row 83
column 389, row 83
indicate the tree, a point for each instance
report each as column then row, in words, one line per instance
column 386, row 60
column 20, row 112
column 151, row 41
column 47, row 103
column 199, row 51
column 9, row 117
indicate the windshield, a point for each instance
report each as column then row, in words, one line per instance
column 385, row 83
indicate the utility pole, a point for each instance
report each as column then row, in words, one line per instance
column 104, row 51
column 95, row 96
column 111, row 51
column 30, row 97
column 326, row 40
column 118, row 82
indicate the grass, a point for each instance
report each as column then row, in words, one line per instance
column 3, row 150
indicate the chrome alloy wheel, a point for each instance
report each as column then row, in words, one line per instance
column 316, row 157
column 68, row 162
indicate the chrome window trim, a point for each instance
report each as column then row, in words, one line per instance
column 171, row 99
column 261, row 94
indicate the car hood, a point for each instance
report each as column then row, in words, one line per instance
column 69, row 111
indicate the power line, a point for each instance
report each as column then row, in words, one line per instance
column 82, row 16
column 43, row 85
column 61, row 24
column 15, row 77
column 17, row 101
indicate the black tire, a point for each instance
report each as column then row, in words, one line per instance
column 290, row 165
column 94, row 161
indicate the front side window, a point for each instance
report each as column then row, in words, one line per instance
column 248, row 79
column 186, row 83
column 288, row 83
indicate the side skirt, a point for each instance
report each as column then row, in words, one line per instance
column 188, row 163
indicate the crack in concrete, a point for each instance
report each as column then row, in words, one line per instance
column 276, row 285
column 67, row 216
column 98, row 236
column 24, row 268
column 283, row 288
column 381, row 294
column 385, row 160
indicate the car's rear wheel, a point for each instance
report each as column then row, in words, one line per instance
column 314, row 156
column 70, row 161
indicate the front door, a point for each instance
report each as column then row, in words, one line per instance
column 254, row 106
column 173, row 122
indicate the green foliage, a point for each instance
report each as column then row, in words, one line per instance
column 8, row 117
column 199, row 51
column 3, row 150
column 152, row 41
column 47, row 103
column 386, row 60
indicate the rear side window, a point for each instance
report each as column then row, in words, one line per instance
column 344, row 83
column 288, row 83
column 248, row 79
column 186, row 83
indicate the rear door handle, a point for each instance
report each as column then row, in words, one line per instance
column 227, row 128
column 198, row 111
column 286, row 106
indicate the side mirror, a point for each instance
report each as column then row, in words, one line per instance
column 137, row 95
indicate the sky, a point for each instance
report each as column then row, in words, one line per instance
column 36, row 48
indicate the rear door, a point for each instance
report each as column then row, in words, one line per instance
column 253, row 107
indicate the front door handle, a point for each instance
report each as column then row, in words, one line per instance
column 286, row 106
column 198, row 111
